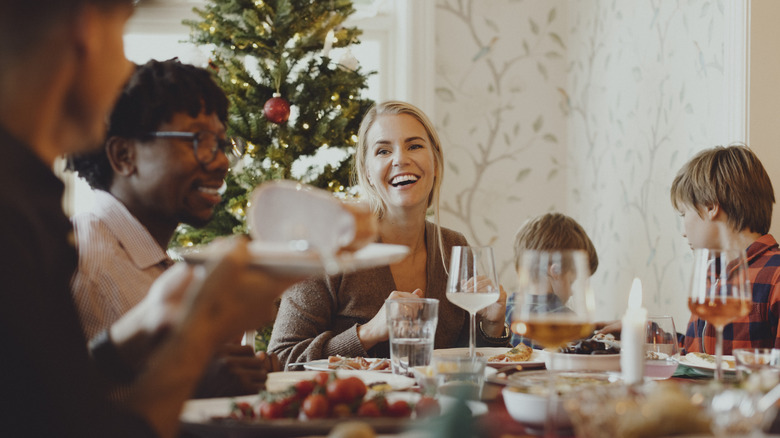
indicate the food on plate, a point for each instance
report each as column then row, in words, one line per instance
column 597, row 344
column 521, row 353
column 650, row 410
column 707, row 360
column 665, row 411
column 357, row 363
column 352, row 429
column 563, row 384
column 326, row 396
column 655, row 355
column 427, row 407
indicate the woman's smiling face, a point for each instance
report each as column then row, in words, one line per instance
column 400, row 162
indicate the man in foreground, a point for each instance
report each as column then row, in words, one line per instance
column 62, row 65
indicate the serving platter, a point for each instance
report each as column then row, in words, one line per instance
column 200, row 418
column 279, row 381
column 285, row 259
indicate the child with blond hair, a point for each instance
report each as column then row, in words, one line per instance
column 725, row 198
column 551, row 231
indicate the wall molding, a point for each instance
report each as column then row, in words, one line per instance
column 736, row 71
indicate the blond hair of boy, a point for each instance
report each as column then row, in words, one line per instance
column 732, row 178
column 554, row 231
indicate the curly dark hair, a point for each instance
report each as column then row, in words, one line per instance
column 155, row 92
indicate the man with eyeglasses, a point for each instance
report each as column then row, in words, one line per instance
column 163, row 163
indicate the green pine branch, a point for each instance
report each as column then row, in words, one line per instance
column 259, row 48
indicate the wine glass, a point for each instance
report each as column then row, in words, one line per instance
column 553, row 306
column 661, row 350
column 472, row 284
column 719, row 293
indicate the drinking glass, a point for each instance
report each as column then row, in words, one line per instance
column 719, row 293
column 752, row 360
column 472, row 284
column 411, row 323
column 661, row 350
column 553, row 305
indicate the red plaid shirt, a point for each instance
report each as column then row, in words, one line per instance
column 759, row 328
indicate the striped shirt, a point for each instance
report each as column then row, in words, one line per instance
column 759, row 328
column 118, row 262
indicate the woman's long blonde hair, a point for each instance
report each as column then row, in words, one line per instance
column 360, row 178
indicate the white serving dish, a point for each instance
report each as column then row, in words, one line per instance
column 581, row 362
column 525, row 397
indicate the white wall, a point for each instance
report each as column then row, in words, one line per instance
column 501, row 75
column 641, row 86
column 765, row 92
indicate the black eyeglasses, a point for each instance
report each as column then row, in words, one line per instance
column 205, row 144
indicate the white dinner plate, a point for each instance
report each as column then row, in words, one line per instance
column 536, row 360
column 283, row 259
column 708, row 368
column 279, row 381
column 324, row 365
column 197, row 418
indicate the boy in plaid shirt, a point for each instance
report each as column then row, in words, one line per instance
column 725, row 195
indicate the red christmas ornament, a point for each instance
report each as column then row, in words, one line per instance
column 276, row 109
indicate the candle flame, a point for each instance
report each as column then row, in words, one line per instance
column 635, row 297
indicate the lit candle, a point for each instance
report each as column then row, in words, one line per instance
column 632, row 337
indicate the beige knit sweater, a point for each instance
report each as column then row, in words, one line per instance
column 319, row 317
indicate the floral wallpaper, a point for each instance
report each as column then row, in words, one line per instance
column 586, row 107
column 500, row 110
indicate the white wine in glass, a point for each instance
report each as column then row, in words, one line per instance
column 553, row 306
column 472, row 284
column 719, row 293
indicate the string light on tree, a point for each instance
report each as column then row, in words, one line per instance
column 268, row 57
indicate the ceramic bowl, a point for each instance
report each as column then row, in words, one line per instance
column 581, row 362
column 525, row 396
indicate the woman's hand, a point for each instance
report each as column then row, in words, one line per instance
column 493, row 316
column 375, row 330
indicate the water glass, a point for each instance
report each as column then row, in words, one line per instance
column 661, row 350
column 460, row 376
column 751, row 360
column 412, row 326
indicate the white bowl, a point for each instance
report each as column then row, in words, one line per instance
column 531, row 409
column 525, row 397
column 581, row 362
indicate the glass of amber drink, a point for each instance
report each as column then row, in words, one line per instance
column 553, row 306
column 719, row 293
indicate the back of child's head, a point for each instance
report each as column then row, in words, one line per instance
column 734, row 179
column 554, row 231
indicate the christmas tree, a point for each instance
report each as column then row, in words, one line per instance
column 288, row 99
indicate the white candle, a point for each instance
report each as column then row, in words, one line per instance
column 328, row 45
column 632, row 337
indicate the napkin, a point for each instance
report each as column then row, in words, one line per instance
column 687, row 372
